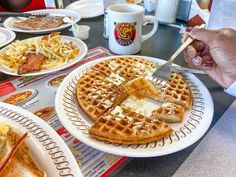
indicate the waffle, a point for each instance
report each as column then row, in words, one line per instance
column 141, row 88
column 169, row 112
column 101, row 87
column 123, row 126
column 176, row 91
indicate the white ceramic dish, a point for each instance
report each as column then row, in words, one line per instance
column 80, row 31
column 75, row 17
column 78, row 43
column 6, row 36
column 46, row 147
column 87, row 8
column 196, row 122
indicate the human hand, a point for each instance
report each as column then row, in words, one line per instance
column 213, row 51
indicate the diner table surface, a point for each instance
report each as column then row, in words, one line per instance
column 165, row 41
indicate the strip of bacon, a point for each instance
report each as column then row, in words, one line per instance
column 51, row 35
column 4, row 162
column 32, row 63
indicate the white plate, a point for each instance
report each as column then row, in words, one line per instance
column 196, row 122
column 6, row 36
column 8, row 23
column 46, row 147
column 87, row 8
column 77, row 42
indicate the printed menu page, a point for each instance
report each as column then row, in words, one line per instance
column 39, row 93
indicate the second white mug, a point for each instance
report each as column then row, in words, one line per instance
column 125, row 28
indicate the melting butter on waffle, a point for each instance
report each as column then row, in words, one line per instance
column 169, row 112
column 101, row 87
column 121, row 125
column 101, row 92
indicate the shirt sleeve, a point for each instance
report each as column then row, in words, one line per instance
column 232, row 89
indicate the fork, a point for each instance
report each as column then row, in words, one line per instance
column 17, row 14
column 162, row 74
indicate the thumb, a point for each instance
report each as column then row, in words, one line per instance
column 206, row 36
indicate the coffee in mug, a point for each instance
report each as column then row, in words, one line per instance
column 125, row 28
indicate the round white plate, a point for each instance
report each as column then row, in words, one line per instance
column 196, row 122
column 48, row 150
column 75, row 17
column 6, row 36
column 77, row 42
column 87, row 8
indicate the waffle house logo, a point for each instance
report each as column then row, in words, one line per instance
column 125, row 33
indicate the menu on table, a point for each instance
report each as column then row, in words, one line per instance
column 41, row 102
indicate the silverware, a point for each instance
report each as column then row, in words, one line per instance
column 162, row 74
column 187, row 70
column 16, row 14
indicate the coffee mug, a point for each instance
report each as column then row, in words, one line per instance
column 125, row 28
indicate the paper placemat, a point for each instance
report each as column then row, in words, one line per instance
column 215, row 156
column 92, row 162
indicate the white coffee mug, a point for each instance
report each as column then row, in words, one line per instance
column 125, row 28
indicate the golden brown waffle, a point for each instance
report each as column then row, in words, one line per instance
column 121, row 125
column 141, row 88
column 101, row 87
column 169, row 112
column 107, row 84
column 176, row 91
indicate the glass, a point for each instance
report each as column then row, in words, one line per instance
column 166, row 10
column 150, row 5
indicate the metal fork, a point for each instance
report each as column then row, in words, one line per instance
column 17, row 14
column 162, row 74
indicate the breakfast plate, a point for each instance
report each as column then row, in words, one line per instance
column 6, row 36
column 87, row 8
column 44, row 144
column 74, row 17
column 78, row 44
column 195, row 123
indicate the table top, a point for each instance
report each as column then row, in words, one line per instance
column 165, row 41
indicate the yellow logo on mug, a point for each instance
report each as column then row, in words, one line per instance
column 125, row 33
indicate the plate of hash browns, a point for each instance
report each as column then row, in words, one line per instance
column 41, row 55
column 112, row 104
column 27, row 142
